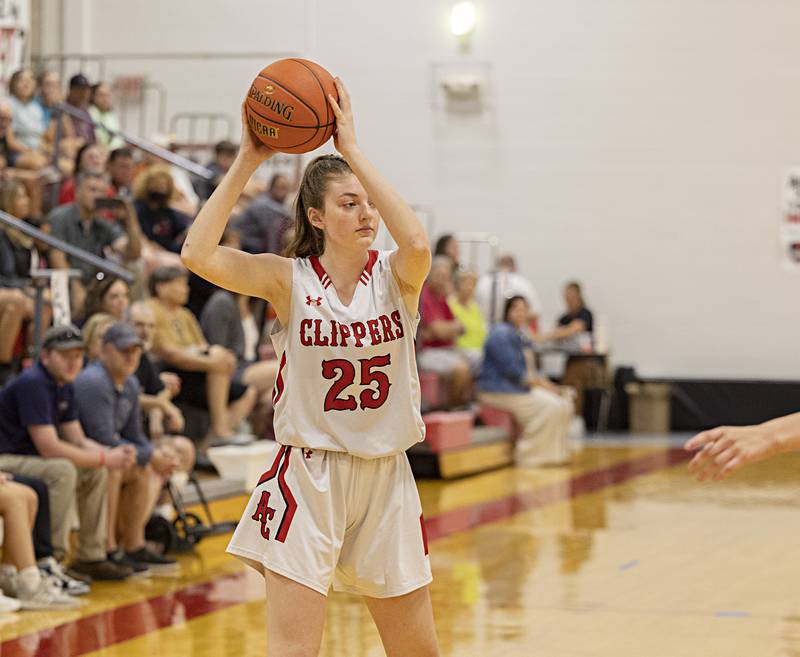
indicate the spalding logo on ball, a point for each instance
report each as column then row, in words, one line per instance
column 287, row 106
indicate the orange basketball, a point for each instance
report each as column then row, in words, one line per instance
column 287, row 106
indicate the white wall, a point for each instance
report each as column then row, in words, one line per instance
column 636, row 145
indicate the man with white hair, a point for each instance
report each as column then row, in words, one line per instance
column 505, row 282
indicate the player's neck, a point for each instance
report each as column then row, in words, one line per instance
column 343, row 266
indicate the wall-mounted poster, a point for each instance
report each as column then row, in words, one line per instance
column 15, row 25
column 789, row 231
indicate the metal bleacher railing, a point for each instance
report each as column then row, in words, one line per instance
column 38, row 281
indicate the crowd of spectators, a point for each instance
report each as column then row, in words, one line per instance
column 99, row 420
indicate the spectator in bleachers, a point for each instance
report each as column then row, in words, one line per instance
column 164, row 420
column 205, row 370
column 107, row 396
column 184, row 199
column 224, row 155
column 163, row 226
column 18, row 256
column 28, row 122
column 102, row 111
column 439, row 330
column 108, row 295
column 11, row 164
column 574, row 333
column 466, row 310
column 50, row 94
column 121, row 169
column 12, row 314
column 41, row 437
column 78, row 96
column 78, row 223
column 93, row 331
column 20, row 577
column 228, row 321
column 43, row 540
column 578, row 320
column 447, row 245
column 90, row 158
column 263, row 223
column 14, row 153
column 508, row 381
column 502, row 284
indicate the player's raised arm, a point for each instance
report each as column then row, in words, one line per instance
column 412, row 260
column 263, row 275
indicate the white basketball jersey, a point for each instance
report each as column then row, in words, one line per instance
column 348, row 374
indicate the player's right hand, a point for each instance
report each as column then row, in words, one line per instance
column 251, row 149
column 724, row 450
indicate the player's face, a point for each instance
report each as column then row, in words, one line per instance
column 350, row 219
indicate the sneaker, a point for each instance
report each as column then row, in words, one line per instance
column 70, row 585
column 102, row 570
column 121, row 559
column 157, row 563
column 48, row 595
column 8, row 605
column 8, row 581
column 81, row 577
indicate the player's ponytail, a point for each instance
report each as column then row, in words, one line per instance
column 308, row 240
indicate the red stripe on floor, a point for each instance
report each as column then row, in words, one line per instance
column 104, row 629
column 459, row 520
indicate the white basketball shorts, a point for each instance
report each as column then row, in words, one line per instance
column 325, row 518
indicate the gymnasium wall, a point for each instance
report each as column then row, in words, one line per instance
column 637, row 145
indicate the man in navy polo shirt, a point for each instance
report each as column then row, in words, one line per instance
column 41, row 437
column 107, row 395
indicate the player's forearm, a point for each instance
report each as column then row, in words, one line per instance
column 785, row 432
column 401, row 221
column 206, row 230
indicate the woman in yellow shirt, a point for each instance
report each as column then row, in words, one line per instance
column 467, row 311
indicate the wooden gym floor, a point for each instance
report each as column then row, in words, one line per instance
column 621, row 554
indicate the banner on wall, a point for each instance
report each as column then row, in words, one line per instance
column 15, row 25
column 789, row 231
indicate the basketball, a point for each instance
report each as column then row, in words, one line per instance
column 287, row 105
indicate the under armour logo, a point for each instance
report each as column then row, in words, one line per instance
column 307, row 453
column 310, row 300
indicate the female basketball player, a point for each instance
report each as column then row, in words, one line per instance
column 338, row 504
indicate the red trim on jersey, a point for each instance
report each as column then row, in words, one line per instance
column 364, row 277
column 291, row 503
column 367, row 273
column 424, row 533
column 316, row 265
column 269, row 474
column 277, row 391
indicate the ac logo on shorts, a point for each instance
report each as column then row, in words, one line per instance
column 279, row 514
column 264, row 513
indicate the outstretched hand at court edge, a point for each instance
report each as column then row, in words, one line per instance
column 723, row 450
column 345, row 136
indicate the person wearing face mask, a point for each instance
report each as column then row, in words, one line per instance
column 162, row 225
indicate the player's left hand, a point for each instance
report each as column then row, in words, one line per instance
column 723, row 450
column 345, row 136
